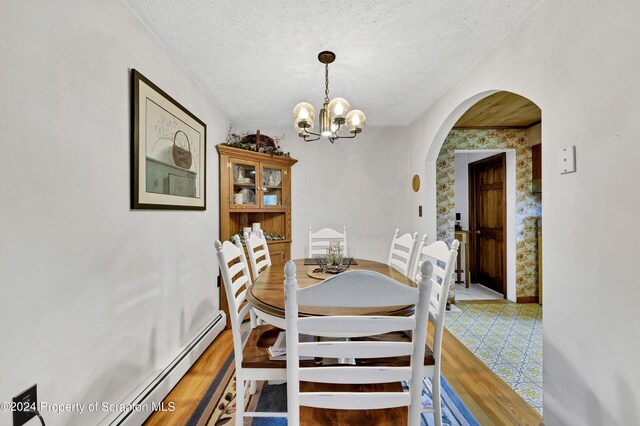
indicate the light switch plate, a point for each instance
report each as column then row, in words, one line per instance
column 567, row 163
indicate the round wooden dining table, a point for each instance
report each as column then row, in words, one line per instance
column 266, row 294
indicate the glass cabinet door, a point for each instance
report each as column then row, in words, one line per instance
column 272, row 186
column 244, row 178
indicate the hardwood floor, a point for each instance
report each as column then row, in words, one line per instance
column 189, row 391
column 490, row 400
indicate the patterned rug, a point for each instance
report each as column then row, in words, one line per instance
column 508, row 339
column 274, row 398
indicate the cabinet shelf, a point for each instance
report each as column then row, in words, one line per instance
column 252, row 208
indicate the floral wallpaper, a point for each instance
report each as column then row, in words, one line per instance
column 528, row 204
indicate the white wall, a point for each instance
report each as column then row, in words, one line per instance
column 359, row 183
column 578, row 61
column 94, row 295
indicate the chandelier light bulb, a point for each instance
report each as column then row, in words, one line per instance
column 338, row 110
column 356, row 121
column 303, row 115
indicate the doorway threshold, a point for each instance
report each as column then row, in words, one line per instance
column 476, row 292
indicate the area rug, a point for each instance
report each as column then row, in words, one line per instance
column 218, row 406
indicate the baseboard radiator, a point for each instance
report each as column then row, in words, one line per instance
column 148, row 397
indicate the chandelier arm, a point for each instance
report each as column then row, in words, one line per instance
column 338, row 136
column 346, row 137
column 304, row 136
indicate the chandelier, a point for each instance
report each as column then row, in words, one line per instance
column 334, row 115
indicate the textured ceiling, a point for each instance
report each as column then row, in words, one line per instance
column 258, row 59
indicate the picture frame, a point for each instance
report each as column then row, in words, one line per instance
column 168, row 151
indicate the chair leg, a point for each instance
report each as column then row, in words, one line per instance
column 240, row 390
column 437, row 403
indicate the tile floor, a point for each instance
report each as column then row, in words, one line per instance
column 508, row 339
column 476, row 292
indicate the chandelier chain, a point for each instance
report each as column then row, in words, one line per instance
column 326, row 82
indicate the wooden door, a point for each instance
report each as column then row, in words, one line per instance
column 487, row 221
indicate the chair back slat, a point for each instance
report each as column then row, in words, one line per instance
column 234, row 269
column 240, row 299
column 402, row 250
column 355, row 375
column 258, row 252
column 439, row 273
column 237, row 284
column 356, row 289
column 354, row 400
column 352, row 286
column 319, row 241
column 355, row 325
column 435, row 301
column 347, row 349
column 262, row 264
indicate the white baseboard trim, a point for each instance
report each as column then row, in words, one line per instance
column 148, row 397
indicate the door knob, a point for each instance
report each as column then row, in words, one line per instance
column 478, row 231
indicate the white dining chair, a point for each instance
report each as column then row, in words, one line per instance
column 356, row 289
column 258, row 252
column 252, row 361
column 319, row 241
column 443, row 260
column 402, row 251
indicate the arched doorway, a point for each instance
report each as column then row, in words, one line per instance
column 479, row 131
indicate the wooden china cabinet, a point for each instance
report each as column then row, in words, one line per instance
column 255, row 188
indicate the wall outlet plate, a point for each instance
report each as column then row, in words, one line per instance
column 567, row 163
column 25, row 405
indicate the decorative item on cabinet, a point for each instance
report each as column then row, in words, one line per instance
column 264, row 181
column 255, row 143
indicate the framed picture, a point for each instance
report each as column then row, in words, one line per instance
column 168, row 151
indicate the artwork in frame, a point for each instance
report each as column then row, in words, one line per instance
column 168, row 158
